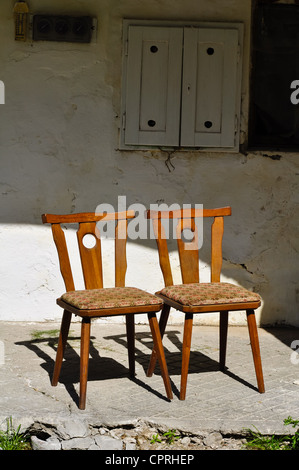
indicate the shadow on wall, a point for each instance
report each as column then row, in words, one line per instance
column 239, row 238
column 139, row 272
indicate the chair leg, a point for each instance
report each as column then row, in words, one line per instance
column 186, row 353
column 154, row 326
column 223, row 338
column 64, row 331
column 162, row 325
column 84, row 357
column 130, row 329
column 254, row 341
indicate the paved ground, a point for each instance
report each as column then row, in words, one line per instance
column 225, row 402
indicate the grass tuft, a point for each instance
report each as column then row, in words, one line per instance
column 12, row 439
column 257, row 441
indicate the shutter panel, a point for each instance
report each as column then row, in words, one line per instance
column 210, row 84
column 153, row 86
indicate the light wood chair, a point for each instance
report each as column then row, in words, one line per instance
column 193, row 297
column 96, row 300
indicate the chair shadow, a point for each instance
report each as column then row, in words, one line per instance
column 99, row 367
column 105, row 368
column 199, row 362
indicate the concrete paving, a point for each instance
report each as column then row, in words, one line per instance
column 226, row 402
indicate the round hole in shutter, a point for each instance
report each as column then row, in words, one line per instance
column 208, row 124
column 151, row 123
column 210, row 50
column 154, row 49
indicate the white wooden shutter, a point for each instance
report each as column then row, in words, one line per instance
column 209, row 90
column 153, row 86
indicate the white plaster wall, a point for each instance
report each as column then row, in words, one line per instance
column 59, row 153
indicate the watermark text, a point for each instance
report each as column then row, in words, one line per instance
column 295, row 94
column 2, row 92
column 294, row 354
column 139, row 228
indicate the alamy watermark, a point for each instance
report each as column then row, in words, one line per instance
column 295, row 94
column 138, row 227
column 2, row 92
column 295, row 355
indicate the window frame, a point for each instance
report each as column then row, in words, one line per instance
column 239, row 26
column 254, row 143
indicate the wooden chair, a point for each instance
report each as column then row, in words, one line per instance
column 97, row 301
column 193, row 297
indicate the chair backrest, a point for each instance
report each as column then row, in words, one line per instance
column 189, row 250
column 91, row 258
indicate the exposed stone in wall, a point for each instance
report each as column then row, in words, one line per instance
column 75, row 435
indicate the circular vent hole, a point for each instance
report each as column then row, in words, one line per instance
column 151, row 123
column 210, row 51
column 154, row 49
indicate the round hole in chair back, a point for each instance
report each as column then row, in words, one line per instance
column 187, row 235
column 89, row 240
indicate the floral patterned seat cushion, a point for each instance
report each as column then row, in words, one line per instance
column 114, row 297
column 209, row 293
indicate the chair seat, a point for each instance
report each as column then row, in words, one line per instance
column 215, row 293
column 107, row 298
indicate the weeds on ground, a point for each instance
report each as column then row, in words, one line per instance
column 12, row 439
column 36, row 334
column 257, row 441
column 156, row 439
column 169, row 437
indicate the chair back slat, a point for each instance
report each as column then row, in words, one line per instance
column 91, row 257
column 160, row 235
column 64, row 260
column 121, row 231
column 216, row 248
column 189, row 249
